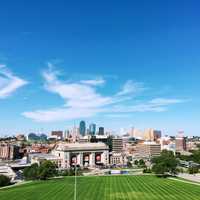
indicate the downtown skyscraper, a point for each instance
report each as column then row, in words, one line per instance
column 82, row 128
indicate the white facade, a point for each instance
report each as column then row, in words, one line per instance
column 39, row 157
column 118, row 159
column 82, row 154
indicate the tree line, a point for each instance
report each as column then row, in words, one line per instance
column 46, row 170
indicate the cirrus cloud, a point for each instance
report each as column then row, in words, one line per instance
column 94, row 82
column 82, row 99
column 9, row 83
column 131, row 87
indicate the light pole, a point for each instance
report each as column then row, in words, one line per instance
column 75, row 183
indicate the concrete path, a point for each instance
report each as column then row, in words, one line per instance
column 185, row 181
column 190, row 177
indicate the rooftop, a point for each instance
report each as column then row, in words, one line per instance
column 43, row 156
column 81, row 146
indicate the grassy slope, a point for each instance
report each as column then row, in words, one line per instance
column 108, row 188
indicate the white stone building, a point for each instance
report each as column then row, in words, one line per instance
column 82, row 154
column 118, row 159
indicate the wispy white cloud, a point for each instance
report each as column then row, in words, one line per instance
column 164, row 101
column 94, row 82
column 9, row 83
column 131, row 87
column 75, row 94
column 60, row 114
column 83, row 100
column 154, row 105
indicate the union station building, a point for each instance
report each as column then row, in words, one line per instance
column 81, row 154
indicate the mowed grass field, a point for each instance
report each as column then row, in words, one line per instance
column 108, row 188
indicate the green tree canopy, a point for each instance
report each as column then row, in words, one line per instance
column 165, row 164
column 141, row 163
column 31, row 173
column 46, row 170
column 136, row 162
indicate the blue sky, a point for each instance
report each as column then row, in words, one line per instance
column 118, row 64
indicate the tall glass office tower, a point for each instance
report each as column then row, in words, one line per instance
column 82, row 128
column 92, row 129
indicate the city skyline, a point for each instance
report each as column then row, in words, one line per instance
column 137, row 64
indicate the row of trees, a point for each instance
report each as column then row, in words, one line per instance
column 46, row 170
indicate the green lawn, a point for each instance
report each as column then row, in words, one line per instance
column 108, row 188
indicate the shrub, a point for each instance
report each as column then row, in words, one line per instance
column 4, row 180
column 147, row 170
column 193, row 170
column 129, row 165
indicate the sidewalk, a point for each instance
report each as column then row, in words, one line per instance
column 185, row 181
column 190, row 177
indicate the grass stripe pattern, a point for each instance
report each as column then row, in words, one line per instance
column 104, row 188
